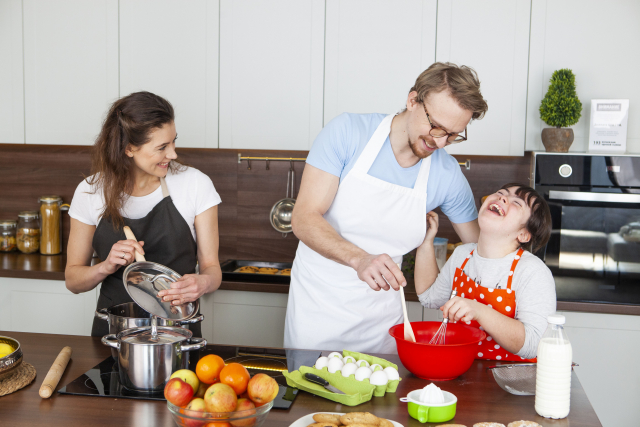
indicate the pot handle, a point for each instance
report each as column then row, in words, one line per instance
column 111, row 341
column 195, row 319
column 423, row 413
column 198, row 343
column 101, row 313
column 404, row 399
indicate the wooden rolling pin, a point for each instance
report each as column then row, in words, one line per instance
column 53, row 376
column 131, row 236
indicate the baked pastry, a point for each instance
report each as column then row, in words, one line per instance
column 488, row 425
column 284, row 272
column 247, row 269
column 452, row 425
column 523, row 423
column 327, row 418
column 267, row 270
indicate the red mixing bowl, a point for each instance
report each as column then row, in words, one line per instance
column 438, row 362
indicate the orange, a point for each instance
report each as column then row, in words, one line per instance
column 236, row 376
column 208, row 368
column 218, row 424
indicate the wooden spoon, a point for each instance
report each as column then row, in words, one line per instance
column 408, row 330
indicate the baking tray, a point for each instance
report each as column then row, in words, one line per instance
column 228, row 267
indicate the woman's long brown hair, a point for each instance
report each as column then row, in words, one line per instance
column 129, row 123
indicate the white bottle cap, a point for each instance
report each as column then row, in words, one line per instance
column 556, row 319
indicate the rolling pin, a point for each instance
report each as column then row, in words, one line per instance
column 53, row 376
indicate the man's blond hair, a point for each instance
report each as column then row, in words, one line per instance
column 461, row 82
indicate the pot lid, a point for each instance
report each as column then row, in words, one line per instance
column 143, row 280
column 166, row 335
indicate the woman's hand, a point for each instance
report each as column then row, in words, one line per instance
column 188, row 288
column 464, row 309
column 432, row 228
column 121, row 254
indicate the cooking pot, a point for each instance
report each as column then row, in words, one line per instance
column 145, row 361
column 130, row 315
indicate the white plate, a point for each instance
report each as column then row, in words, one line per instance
column 308, row 419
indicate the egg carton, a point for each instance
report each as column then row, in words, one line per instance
column 356, row 392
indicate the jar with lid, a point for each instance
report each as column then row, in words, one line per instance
column 7, row 235
column 51, row 208
column 28, row 233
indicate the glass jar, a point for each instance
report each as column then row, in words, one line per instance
column 28, row 233
column 51, row 224
column 7, row 235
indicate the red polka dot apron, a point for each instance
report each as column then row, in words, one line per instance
column 501, row 300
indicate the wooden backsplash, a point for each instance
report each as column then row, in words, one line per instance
column 30, row 171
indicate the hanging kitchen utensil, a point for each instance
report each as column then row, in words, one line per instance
column 144, row 279
column 282, row 210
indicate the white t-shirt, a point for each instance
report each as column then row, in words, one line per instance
column 191, row 191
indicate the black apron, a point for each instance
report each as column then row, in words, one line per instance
column 167, row 241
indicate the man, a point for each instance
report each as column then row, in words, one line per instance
column 369, row 182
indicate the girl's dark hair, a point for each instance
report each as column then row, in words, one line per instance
column 129, row 122
column 539, row 223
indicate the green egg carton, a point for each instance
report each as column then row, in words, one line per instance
column 356, row 392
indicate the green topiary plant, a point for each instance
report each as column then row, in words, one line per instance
column 561, row 107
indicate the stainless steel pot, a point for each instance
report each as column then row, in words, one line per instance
column 145, row 361
column 130, row 315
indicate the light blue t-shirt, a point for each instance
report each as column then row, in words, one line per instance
column 340, row 143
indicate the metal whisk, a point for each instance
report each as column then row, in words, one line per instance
column 441, row 334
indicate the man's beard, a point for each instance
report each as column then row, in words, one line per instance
column 418, row 149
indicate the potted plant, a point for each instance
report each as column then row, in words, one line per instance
column 560, row 108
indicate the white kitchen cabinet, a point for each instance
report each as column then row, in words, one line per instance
column 598, row 42
column 606, row 347
column 492, row 37
column 171, row 49
column 271, row 73
column 70, row 69
column 45, row 306
column 11, row 73
column 375, row 50
column 244, row 318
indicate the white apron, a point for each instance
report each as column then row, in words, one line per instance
column 329, row 307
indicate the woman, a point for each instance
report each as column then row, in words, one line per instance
column 137, row 180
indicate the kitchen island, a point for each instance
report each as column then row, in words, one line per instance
column 479, row 397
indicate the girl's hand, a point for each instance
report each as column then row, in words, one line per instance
column 463, row 309
column 432, row 227
column 188, row 288
column 120, row 255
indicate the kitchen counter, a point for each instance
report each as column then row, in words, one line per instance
column 51, row 267
column 479, row 397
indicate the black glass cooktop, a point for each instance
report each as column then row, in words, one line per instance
column 103, row 379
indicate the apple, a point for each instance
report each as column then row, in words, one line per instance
column 220, row 398
column 245, row 405
column 178, row 392
column 189, row 377
column 262, row 389
column 198, row 407
column 218, row 424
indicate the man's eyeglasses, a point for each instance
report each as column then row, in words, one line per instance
column 438, row 132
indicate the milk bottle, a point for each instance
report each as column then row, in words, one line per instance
column 553, row 377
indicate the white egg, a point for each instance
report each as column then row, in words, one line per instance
column 349, row 359
column 348, row 369
column 321, row 362
column 335, row 364
column 379, row 378
column 335, row 354
column 374, row 367
column 362, row 373
column 392, row 374
column 362, row 362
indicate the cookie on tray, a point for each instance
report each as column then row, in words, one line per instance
column 267, row 270
column 523, row 423
column 247, row 269
column 284, row 272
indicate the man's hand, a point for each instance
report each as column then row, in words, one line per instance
column 380, row 272
column 464, row 309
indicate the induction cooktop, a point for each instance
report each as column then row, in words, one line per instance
column 103, row 379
